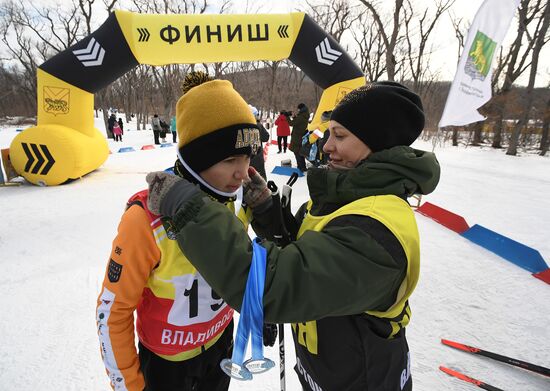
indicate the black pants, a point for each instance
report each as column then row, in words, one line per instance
column 301, row 162
column 118, row 137
column 156, row 134
column 201, row 373
column 174, row 137
column 283, row 139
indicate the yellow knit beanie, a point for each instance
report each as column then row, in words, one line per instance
column 213, row 122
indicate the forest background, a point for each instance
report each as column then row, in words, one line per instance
column 389, row 40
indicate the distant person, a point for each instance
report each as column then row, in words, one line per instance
column 110, row 123
column 283, row 130
column 165, row 128
column 183, row 327
column 117, row 131
column 299, row 128
column 322, row 155
column 121, row 124
column 257, row 161
column 155, row 124
column 173, row 128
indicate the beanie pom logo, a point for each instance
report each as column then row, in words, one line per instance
column 248, row 137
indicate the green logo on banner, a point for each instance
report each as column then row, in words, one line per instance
column 480, row 56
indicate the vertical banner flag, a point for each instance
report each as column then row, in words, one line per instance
column 471, row 86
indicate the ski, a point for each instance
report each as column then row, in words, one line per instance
column 469, row 379
column 508, row 360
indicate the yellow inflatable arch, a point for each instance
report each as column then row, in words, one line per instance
column 65, row 145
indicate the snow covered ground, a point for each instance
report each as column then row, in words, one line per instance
column 55, row 241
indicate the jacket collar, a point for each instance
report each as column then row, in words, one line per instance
column 401, row 171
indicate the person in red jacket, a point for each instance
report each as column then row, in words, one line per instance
column 283, row 130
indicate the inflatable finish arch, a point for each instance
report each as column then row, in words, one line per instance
column 65, row 145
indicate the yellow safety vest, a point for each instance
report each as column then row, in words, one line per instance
column 186, row 329
column 398, row 217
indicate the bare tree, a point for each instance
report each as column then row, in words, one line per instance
column 335, row 17
column 32, row 34
column 539, row 38
column 171, row 6
column 416, row 41
column 370, row 48
column 52, row 30
column 389, row 35
column 273, row 67
column 12, row 100
column 515, row 63
column 459, row 33
column 86, row 10
column 168, row 79
column 22, row 51
column 544, row 140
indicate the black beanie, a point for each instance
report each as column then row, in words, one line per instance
column 381, row 114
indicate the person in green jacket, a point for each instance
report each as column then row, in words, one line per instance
column 299, row 123
column 345, row 281
column 173, row 128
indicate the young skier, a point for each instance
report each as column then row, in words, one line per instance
column 184, row 327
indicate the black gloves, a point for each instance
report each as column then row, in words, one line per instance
column 270, row 334
column 255, row 192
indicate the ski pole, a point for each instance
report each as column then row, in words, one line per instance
column 282, row 356
column 281, row 239
column 507, row 360
column 285, row 204
column 469, row 379
column 281, row 205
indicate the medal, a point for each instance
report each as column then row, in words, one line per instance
column 250, row 323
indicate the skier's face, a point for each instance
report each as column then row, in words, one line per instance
column 345, row 150
column 227, row 176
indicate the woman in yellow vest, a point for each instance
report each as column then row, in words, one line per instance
column 345, row 281
column 184, row 327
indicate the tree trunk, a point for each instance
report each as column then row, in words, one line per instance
column 513, row 70
column 477, row 128
column 455, row 136
column 139, row 119
column 514, row 138
column 544, row 140
column 273, row 67
column 545, row 125
column 539, row 43
column 497, row 132
column 390, row 41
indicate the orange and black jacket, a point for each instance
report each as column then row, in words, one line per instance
column 178, row 315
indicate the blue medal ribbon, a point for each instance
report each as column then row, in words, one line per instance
column 250, row 323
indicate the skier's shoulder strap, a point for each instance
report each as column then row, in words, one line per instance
column 140, row 199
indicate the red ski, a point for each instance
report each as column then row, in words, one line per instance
column 469, row 379
column 508, row 360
